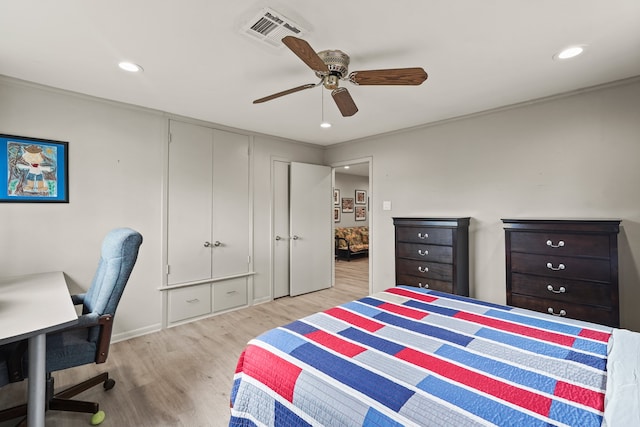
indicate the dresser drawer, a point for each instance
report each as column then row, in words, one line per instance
column 588, row 313
column 425, row 252
column 564, row 267
column 561, row 244
column 425, row 235
column 424, row 269
column 229, row 294
column 189, row 302
column 563, row 290
column 422, row 282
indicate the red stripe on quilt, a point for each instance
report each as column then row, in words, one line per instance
column 583, row 396
column 354, row 319
column 595, row 335
column 343, row 347
column 240, row 363
column 517, row 329
column 403, row 311
column 281, row 376
column 412, row 295
column 523, row 398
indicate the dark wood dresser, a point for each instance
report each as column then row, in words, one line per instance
column 564, row 267
column 433, row 253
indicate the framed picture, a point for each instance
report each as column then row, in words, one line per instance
column 361, row 213
column 347, row 205
column 361, row 197
column 336, row 214
column 33, row 170
column 336, row 197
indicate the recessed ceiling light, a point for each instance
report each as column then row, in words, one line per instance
column 346, row 167
column 325, row 125
column 570, row 52
column 130, row 66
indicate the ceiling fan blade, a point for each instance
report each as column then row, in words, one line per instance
column 396, row 76
column 305, row 52
column 284, row 92
column 344, row 102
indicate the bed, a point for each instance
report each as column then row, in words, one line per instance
column 410, row 356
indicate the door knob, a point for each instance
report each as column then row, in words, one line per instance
column 278, row 238
column 207, row 244
column 217, row 243
column 295, row 237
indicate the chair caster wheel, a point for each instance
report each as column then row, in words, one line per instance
column 97, row 418
column 109, row 384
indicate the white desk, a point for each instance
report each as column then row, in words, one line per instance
column 30, row 307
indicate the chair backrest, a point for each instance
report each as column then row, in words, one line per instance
column 118, row 256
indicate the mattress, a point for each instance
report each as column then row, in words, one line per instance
column 414, row 357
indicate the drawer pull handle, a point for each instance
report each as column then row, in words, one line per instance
column 423, row 253
column 191, row 301
column 559, row 245
column 558, row 268
column 561, row 314
column 423, row 269
column 425, row 286
column 562, row 289
column 235, row 292
column 423, row 236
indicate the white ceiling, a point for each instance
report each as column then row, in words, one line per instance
column 198, row 62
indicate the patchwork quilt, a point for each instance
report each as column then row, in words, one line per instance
column 415, row 357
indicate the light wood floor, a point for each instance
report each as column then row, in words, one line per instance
column 182, row 376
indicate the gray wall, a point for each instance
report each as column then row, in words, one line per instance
column 117, row 164
column 575, row 156
column 348, row 184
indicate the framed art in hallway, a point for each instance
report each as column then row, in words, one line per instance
column 361, row 213
column 336, row 197
column 361, row 197
column 347, row 205
column 336, row 214
column 33, row 170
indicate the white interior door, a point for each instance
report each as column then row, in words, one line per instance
column 280, row 229
column 310, row 209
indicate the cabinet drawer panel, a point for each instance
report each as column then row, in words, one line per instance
column 421, row 282
column 425, row 252
column 561, row 266
column 425, row 235
column 574, row 311
column 229, row 294
column 189, row 302
column 560, row 244
column 563, row 290
column 424, row 269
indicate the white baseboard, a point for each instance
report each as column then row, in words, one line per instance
column 135, row 333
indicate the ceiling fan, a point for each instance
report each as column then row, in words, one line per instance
column 331, row 66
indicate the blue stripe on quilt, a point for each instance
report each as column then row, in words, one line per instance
column 498, row 369
column 573, row 415
column 282, row 340
column 376, row 418
column 379, row 388
column 285, row 417
column 241, row 422
column 455, row 297
column 424, row 329
column 484, row 407
column 372, row 341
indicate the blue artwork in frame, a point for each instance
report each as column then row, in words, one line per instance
column 33, row 170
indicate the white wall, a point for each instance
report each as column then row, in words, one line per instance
column 348, row 184
column 569, row 157
column 117, row 161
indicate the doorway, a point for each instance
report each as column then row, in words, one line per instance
column 352, row 201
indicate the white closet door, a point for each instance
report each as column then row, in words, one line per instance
column 230, row 237
column 311, row 202
column 189, row 203
column 280, row 236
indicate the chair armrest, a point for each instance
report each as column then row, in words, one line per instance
column 104, row 339
column 345, row 240
column 78, row 299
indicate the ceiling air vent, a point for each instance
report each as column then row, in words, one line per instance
column 270, row 27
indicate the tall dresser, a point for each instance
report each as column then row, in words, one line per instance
column 433, row 253
column 564, row 267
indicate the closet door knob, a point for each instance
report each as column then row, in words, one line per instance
column 295, row 237
column 217, row 243
column 207, row 244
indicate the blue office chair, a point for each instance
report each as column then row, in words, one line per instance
column 88, row 341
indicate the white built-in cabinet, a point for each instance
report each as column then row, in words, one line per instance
column 208, row 227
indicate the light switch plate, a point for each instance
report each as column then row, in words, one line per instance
column 386, row 205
